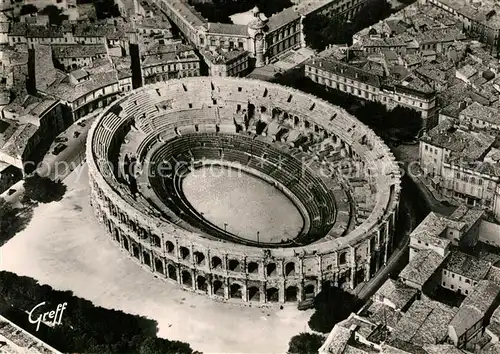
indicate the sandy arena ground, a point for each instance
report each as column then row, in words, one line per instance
column 242, row 204
column 64, row 247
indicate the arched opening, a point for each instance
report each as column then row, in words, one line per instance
column 218, row 288
column 184, row 253
column 172, row 272
column 147, row 258
column 159, row 266
column 290, row 269
column 186, row 278
column 291, row 294
column 235, row 291
column 343, row 258
column 272, row 295
column 201, row 283
column 199, row 258
column 271, row 270
column 309, row 290
column 253, row 267
column 135, row 251
column 117, row 236
column 156, row 241
column 216, row 262
column 125, row 243
column 253, row 293
column 234, row 265
column 169, row 247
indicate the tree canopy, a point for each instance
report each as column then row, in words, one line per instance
column 55, row 14
column 332, row 306
column 305, row 343
column 321, row 30
column 106, row 9
column 28, row 9
column 85, row 328
column 7, row 218
column 43, row 189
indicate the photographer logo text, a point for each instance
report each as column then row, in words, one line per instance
column 51, row 318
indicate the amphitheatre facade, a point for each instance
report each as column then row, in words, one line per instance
column 339, row 175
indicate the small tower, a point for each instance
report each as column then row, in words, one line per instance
column 256, row 30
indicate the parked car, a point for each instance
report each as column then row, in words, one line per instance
column 81, row 124
column 11, row 191
column 61, row 139
column 58, row 148
column 76, row 134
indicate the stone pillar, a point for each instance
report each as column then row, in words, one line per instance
column 210, row 288
column 193, row 278
column 262, row 291
column 226, row 288
column 178, row 274
column 386, row 252
column 300, row 291
column 244, row 292
column 353, row 267
column 281, row 290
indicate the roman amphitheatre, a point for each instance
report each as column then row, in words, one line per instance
column 243, row 190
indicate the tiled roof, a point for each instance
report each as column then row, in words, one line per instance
column 430, row 230
column 425, row 322
column 472, row 145
column 475, row 306
column 222, row 57
column 227, row 29
column 336, row 340
column 396, row 292
column 480, row 112
column 282, row 18
column 344, row 70
column 423, row 265
column 466, row 265
column 380, row 313
column 78, row 50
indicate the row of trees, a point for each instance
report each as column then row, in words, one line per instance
column 85, row 328
column 322, row 30
column 220, row 10
column 55, row 14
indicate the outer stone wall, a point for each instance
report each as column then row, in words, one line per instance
column 225, row 270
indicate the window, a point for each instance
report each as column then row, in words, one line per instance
column 452, row 286
column 453, row 275
column 467, row 281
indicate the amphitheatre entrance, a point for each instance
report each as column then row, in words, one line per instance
column 242, row 204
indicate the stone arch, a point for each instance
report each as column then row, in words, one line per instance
column 135, row 251
column 184, row 252
column 172, row 272
column 235, row 291
column 234, row 265
column 146, row 258
column 199, row 258
column 343, row 258
column 216, row 263
column 117, row 235
column 271, row 270
column 272, row 295
column 309, row 290
column 159, row 265
column 201, row 283
column 291, row 294
column 125, row 244
column 156, row 240
column 186, row 277
column 169, row 246
column 290, row 269
column 253, row 267
column 218, row 288
column 253, row 294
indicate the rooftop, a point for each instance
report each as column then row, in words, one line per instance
column 423, row 265
column 475, row 306
column 466, row 265
column 282, row 18
column 78, row 50
column 425, row 322
column 481, row 113
column 430, row 230
column 228, row 29
column 336, row 340
column 397, row 293
column 219, row 56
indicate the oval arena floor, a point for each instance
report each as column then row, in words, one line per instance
column 242, row 204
